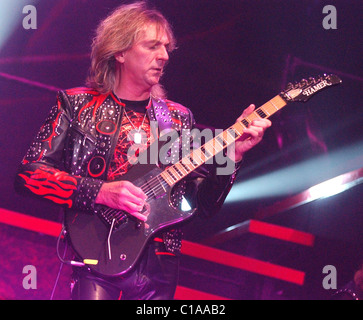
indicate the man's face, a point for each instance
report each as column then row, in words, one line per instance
column 142, row 65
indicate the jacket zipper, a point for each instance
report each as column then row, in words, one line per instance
column 84, row 134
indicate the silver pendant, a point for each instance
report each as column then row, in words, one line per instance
column 137, row 137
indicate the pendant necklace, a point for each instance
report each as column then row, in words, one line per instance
column 137, row 133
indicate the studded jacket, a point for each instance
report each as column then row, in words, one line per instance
column 68, row 160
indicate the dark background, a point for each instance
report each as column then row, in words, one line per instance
column 230, row 54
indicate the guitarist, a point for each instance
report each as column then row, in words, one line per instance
column 83, row 147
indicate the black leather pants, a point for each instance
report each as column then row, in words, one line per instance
column 155, row 277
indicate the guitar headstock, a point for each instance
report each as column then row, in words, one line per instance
column 305, row 89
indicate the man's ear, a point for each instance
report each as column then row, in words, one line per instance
column 120, row 57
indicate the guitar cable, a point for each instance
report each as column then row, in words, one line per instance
column 60, row 267
column 63, row 261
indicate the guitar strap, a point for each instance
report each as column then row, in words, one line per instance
column 159, row 111
column 161, row 128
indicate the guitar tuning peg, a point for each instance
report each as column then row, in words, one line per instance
column 289, row 86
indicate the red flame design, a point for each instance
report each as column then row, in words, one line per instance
column 52, row 184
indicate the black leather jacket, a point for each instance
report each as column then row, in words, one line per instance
column 68, row 161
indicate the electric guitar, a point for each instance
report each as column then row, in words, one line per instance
column 111, row 241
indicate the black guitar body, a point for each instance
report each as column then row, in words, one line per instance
column 116, row 252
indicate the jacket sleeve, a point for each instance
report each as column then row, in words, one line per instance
column 209, row 185
column 213, row 189
column 42, row 173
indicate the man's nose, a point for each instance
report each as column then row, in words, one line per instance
column 163, row 54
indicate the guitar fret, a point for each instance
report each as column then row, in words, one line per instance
column 185, row 167
column 265, row 111
column 188, row 159
column 253, row 116
column 232, row 132
column 197, row 155
column 179, row 166
column 175, row 172
column 202, row 154
column 221, row 141
column 209, row 148
column 216, row 146
column 273, row 105
column 161, row 182
column 227, row 138
column 194, row 155
column 206, row 153
column 239, row 130
column 171, row 174
column 166, row 176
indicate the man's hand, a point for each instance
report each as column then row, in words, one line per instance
column 251, row 136
column 123, row 195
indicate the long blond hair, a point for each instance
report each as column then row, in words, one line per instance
column 117, row 33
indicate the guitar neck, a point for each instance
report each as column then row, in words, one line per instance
column 201, row 155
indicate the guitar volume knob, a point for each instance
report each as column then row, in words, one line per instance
column 123, row 257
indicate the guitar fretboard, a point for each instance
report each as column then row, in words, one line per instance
column 201, row 155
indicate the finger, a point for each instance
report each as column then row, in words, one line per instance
column 263, row 123
column 139, row 216
column 134, row 202
column 246, row 112
column 137, row 212
column 130, row 196
column 256, row 128
column 255, row 131
column 252, row 132
column 132, row 207
column 136, row 191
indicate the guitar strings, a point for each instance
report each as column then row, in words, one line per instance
column 148, row 188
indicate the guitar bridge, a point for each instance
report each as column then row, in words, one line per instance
column 112, row 216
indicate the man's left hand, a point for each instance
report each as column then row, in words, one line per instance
column 251, row 136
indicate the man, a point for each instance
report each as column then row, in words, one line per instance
column 83, row 148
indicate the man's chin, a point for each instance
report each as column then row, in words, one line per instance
column 154, row 81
